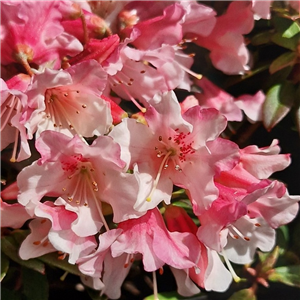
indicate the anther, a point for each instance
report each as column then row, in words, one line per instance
column 160, row 138
column 83, row 105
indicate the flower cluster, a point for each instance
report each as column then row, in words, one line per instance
column 89, row 108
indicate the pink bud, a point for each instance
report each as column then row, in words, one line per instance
column 117, row 112
column 10, row 192
column 99, row 50
column 177, row 219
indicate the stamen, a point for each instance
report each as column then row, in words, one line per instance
column 240, row 234
column 13, row 156
column 163, row 163
column 230, row 268
column 128, row 259
column 142, row 109
column 98, row 205
column 155, row 291
column 198, row 76
column 44, row 242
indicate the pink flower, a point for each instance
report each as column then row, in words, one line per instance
column 100, row 265
column 70, row 101
column 37, row 243
column 172, row 150
column 13, row 112
column 226, row 42
column 227, row 227
column 248, row 209
column 13, row 215
column 76, row 172
column 214, row 97
column 163, row 29
column 51, row 232
column 19, row 39
column 209, row 267
column 261, row 9
column 148, row 236
column 61, row 235
column 263, row 162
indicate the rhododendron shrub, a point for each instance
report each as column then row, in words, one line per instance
column 149, row 142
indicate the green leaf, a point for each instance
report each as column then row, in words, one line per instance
column 11, row 248
column 7, row 294
column 291, row 31
column 268, row 260
column 261, row 38
column 52, row 260
column 297, row 110
column 289, row 275
column 4, row 265
column 35, row 285
column 290, row 43
column 284, row 60
column 279, row 101
column 175, row 296
column 245, row 294
column 282, row 238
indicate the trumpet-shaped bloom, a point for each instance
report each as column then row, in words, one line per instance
column 20, row 22
column 13, row 114
column 82, row 177
column 172, row 149
column 51, row 231
column 149, row 236
column 70, row 101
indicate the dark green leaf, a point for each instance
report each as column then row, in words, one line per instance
column 4, row 265
column 35, row 285
column 261, row 38
column 279, row 100
column 289, row 275
column 245, row 294
column 52, row 260
column 7, row 294
column 297, row 110
column 284, row 60
column 290, row 43
column 282, row 238
column 268, row 260
column 11, row 248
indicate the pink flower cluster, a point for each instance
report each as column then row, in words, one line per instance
column 65, row 67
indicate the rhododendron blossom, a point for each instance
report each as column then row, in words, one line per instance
column 64, row 100
column 148, row 138
column 180, row 151
column 76, row 172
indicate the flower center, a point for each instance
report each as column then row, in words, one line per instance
column 180, row 146
column 177, row 148
column 11, row 107
column 83, row 186
column 61, row 106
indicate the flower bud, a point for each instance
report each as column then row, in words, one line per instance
column 177, row 219
column 10, row 192
column 117, row 112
